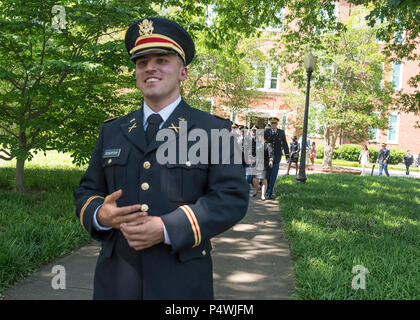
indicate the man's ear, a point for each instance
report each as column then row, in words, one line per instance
column 183, row 74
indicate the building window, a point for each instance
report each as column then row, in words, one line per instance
column 397, row 75
column 260, row 81
column 266, row 77
column 274, row 78
column 373, row 135
column 284, row 122
column 393, row 128
column 374, row 132
column 233, row 116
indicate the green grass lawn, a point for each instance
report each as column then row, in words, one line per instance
column 337, row 221
column 41, row 225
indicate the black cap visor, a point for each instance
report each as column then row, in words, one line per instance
column 160, row 51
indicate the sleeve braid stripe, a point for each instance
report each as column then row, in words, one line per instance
column 194, row 224
column 85, row 206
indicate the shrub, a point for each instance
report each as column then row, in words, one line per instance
column 320, row 152
column 396, row 156
column 348, row 152
column 351, row 152
column 373, row 154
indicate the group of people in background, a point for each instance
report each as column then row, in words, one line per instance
column 383, row 160
column 263, row 172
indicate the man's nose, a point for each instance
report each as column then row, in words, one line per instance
column 150, row 65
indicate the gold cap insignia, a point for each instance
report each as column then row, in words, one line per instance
column 146, row 27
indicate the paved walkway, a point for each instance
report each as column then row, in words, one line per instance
column 251, row 261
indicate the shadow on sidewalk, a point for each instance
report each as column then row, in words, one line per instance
column 252, row 260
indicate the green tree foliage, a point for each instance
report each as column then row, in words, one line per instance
column 59, row 79
column 399, row 28
column 62, row 73
column 347, row 83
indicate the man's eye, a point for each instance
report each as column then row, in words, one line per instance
column 141, row 63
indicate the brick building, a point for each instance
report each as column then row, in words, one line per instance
column 277, row 94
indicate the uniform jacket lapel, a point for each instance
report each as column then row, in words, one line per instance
column 181, row 113
column 133, row 129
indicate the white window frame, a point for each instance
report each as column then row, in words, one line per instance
column 400, row 76
column 267, row 78
column 397, row 129
column 376, row 138
column 233, row 115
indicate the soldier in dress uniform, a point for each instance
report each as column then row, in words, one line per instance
column 277, row 138
column 154, row 220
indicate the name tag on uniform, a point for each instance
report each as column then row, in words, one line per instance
column 111, row 153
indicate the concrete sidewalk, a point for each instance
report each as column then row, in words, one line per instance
column 250, row 261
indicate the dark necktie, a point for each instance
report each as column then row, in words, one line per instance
column 153, row 121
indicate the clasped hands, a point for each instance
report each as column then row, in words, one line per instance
column 139, row 229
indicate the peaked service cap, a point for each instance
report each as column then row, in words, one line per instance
column 158, row 36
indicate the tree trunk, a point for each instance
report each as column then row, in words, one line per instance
column 20, row 176
column 328, row 154
column 330, row 138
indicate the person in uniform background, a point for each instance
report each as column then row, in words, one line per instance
column 277, row 139
column 294, row 154
column 250, row 169
column 155, row 221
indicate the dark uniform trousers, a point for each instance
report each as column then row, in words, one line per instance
column 195, row 202
column 279, row 144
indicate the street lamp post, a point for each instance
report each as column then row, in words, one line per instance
column 309, row 62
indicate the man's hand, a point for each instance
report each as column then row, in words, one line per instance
column 144, row 232
column 109, row 215
column 271, row 164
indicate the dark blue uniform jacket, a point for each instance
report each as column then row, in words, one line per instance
column 195, row 201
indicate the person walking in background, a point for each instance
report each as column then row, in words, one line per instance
column 250, row 163
column 408, row 161
column 383, row 158
column 277, row 139
column 364, row 158
column 313, row 153
column 418, row 163
column 263, row 166
column 308, row 146
column 294, row 155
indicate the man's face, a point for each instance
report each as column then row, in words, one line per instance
column 158, row 77
column 274, row 126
